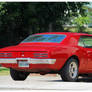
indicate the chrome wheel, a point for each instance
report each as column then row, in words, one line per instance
column 73, row 69
column 70, row 70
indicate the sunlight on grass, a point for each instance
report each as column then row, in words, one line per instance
column 4, row 71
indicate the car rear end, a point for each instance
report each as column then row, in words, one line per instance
column 36, row 54
column 33, row 61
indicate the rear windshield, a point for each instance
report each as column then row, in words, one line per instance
column 45, row 38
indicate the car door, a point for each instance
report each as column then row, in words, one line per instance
column 87, row 41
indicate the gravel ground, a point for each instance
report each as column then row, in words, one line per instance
column 44, row 83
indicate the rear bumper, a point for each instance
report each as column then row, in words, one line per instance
column 35, row 65
column 29, row 60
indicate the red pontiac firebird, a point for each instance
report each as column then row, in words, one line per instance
column 68, row 54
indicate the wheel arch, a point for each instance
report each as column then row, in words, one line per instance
column 75, row 57
column 64, row 72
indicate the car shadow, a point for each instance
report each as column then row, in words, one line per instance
column 85, row 79
column 82, row 79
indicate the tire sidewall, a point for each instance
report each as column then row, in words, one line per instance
column 68, row 64
column 18, row 75
column 65, row 71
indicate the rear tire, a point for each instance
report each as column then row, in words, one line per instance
column 70, row 71
column 18, row 75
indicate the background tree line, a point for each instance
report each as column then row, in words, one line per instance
column 20, row 19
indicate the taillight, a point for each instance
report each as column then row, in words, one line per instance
column 40, row 54
column 5, row 54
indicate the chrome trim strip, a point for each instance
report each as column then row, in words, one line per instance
column 30, row 60
column 8, row 61
column 42, row 61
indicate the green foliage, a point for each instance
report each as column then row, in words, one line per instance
column 18, row 20
column 81, row 21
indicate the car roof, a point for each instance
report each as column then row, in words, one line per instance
column 67, row 33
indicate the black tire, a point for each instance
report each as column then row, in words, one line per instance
column 68, row 69
column 18, row 75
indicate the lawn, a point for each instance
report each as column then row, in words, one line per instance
column 4, row 71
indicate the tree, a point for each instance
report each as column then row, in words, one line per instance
column 81, row 21
column 18, row 20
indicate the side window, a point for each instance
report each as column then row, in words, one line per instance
column 81, row 43
column 86, row 40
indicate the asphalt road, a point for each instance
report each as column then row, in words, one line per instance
column 44, row 83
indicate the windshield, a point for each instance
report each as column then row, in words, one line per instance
column 45, row 38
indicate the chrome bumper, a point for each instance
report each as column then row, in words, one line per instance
column 29, row 60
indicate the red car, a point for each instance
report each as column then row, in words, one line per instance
column 68, row 54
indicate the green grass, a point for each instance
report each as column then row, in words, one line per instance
column 4, row 71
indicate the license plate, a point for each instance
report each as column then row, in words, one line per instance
column 23, row 64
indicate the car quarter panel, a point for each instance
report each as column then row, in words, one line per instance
column 71, row 48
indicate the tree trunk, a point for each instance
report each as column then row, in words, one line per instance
column 50, row 27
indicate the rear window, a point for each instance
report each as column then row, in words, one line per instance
column 45, row 38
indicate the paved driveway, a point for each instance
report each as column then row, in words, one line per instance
column 44, row 83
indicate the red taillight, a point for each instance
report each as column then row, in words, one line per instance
column 40, row 54
column 5, row 54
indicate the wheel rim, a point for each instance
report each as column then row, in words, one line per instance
column 73, row 70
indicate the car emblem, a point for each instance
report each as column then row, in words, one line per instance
column 22, row 54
